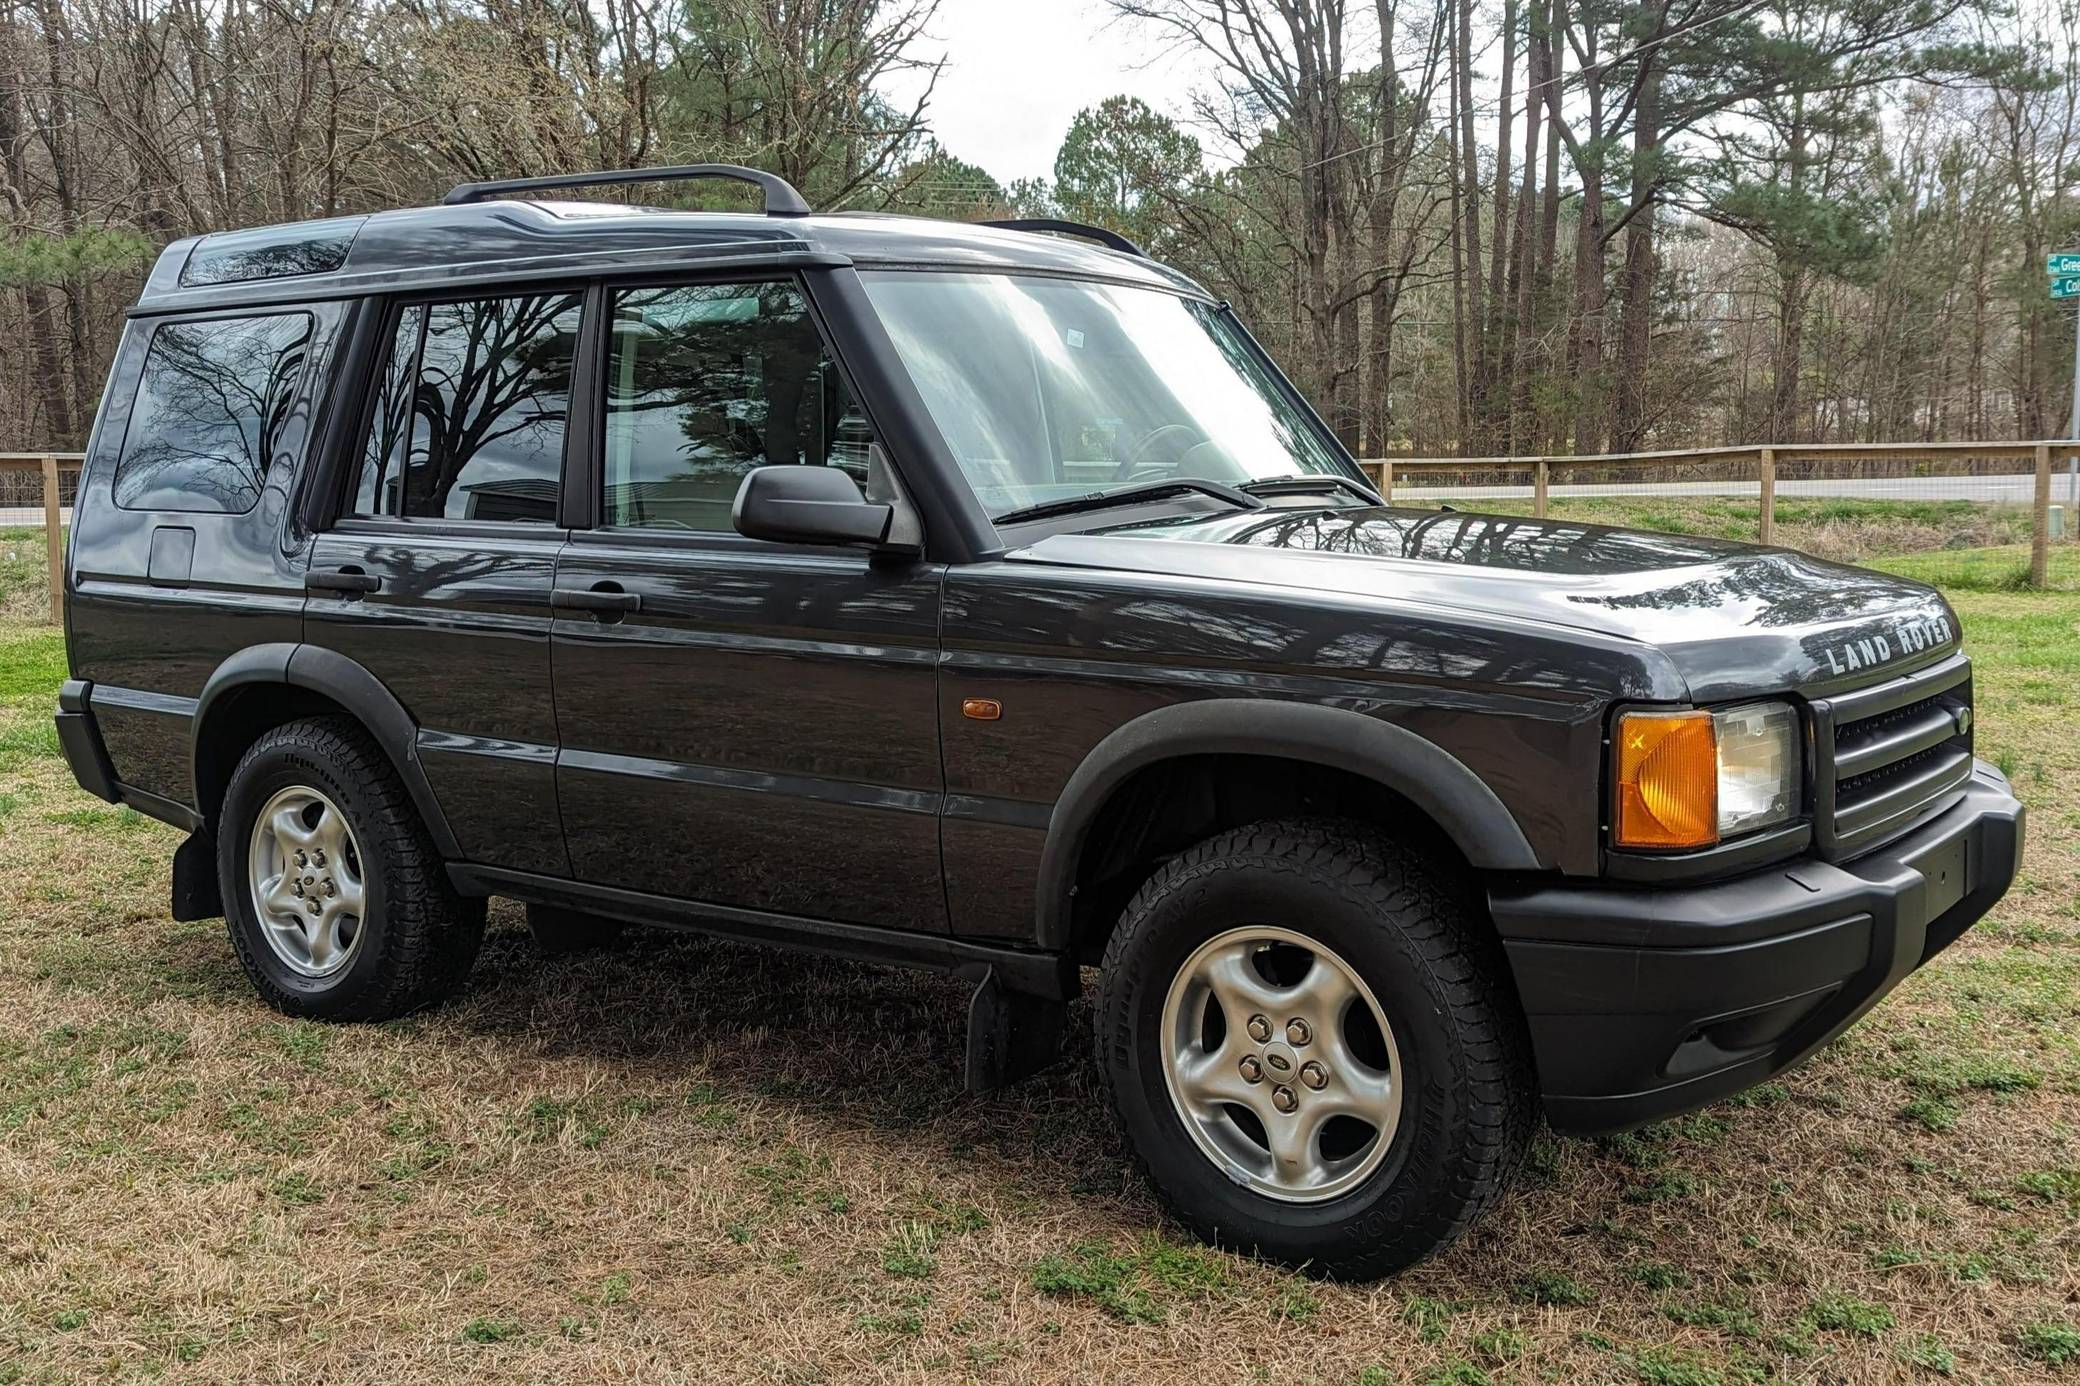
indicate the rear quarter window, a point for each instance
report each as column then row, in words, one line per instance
column 211, row 403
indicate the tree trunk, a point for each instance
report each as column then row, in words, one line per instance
column 1636, row 326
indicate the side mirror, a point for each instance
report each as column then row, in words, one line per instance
column 808, row 505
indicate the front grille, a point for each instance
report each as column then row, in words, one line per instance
column 1890, row 755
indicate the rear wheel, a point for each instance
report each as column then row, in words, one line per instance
column 1312, row 1049
column 335, row 898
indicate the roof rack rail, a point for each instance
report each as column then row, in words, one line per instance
column 1070, row 228
column 781, row 198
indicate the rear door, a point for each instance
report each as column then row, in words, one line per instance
column 178, row 554
column 745, row 724
column 436, row 575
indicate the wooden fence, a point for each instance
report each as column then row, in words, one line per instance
column 49, row 464
column 1766, row 461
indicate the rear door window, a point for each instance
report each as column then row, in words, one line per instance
column 211, row 403
column 471, row 409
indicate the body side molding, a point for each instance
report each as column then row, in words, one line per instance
column 1422, row 772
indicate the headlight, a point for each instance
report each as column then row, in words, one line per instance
column 1758, row 766
column 1687, row 779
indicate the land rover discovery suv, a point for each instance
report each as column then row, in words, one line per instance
column 983, row 598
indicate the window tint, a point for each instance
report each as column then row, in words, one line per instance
column 209, row 413
column 706, row 382
column 469, row 415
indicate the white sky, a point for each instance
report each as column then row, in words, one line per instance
column 1018, row 71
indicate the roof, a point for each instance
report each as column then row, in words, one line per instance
column 509, row 239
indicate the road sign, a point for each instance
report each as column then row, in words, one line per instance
column 2066, row 286
column 2062, row 263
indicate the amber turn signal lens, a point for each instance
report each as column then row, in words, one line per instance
column 1668, row 780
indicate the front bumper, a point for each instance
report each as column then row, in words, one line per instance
column 1646, row 1002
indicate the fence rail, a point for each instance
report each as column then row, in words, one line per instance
column 1765, row 462
column 1768, row 463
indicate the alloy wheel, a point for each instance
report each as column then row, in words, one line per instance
column 1281, row 1063
column 306, row 882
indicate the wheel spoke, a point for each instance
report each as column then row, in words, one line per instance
column 330, row 836
column 323, row 937
column 1210, row 1081
column 1235, row 983
column 350, row 889
column 1356, row 1091
column 276, row 895
column 1321, row 997
column 1295, row 1149
column 290, row 834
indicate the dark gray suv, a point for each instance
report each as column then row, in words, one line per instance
column 984, row 599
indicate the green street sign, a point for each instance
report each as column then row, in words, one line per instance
column 2066, row 286
column 2061, row 264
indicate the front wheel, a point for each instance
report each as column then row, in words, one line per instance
column 335, row 897
column 1313, row 1048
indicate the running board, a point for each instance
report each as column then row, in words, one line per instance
column 1019, row 971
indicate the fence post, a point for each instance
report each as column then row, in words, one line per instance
column 1386, row 480
column 2040, row 536
column 1541, row 474
column 53, row 537
column 1767, row 530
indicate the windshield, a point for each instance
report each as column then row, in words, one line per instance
column 1052, row 388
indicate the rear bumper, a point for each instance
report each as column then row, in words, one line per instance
column 80, row 739
column 1647, row 1002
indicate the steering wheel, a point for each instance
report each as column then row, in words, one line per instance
column 1156, row 453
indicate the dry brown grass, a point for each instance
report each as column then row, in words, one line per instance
column 682, row 1160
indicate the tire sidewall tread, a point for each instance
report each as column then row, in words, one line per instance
column 1468, row 1107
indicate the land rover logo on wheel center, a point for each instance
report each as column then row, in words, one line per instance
column 1907, row 637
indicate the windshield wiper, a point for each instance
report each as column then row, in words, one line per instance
column 1300, row 484
column 1127, row 495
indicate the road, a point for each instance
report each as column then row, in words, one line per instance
column 2017, row 490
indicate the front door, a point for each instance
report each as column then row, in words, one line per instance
column 744, row 724
column 436, row 577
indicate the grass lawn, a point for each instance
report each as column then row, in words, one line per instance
column 1848, row 530
column 688, row 1160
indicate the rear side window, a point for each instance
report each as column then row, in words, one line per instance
column 468, row 419
column 706, row 382
column 210, row 407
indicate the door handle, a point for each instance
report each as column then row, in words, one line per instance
column 601, row 600
column 351, row 582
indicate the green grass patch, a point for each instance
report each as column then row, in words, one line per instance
column 486, row 1330
column 1140, row 1284
column 2052, row 1343
column 1555, row 1288
column 1847, row 1314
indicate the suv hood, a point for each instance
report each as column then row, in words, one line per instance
column 1733, row 618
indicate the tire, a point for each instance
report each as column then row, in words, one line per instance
column 399, row 938
column 1344, row 930
column 560, row 932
